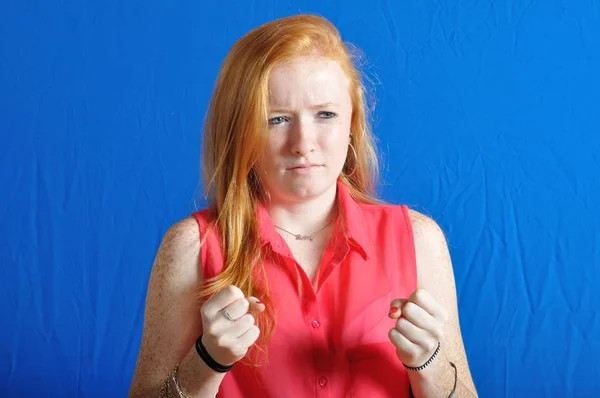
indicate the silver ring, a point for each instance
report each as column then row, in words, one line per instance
column 228, row 316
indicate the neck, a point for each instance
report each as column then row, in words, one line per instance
column 304, row 217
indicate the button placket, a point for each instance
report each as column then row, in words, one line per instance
column 319, row 342
column 322, row 382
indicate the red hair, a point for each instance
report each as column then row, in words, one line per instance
column 234, row 139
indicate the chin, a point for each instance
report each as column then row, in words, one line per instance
column 309, row 189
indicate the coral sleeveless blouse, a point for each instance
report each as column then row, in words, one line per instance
column 332, row 340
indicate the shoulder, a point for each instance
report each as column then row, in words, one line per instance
column 425, row 228
column 183, row 229
column 182, row 236
column 179, row 249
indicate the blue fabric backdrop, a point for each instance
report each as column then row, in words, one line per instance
column 488, row 117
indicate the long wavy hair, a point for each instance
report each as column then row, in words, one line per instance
column 234, row 140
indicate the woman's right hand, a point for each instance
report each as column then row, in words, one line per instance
column 227, row 341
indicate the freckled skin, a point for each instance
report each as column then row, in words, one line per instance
column 436, row 277
column 299, row 134
column 172, row 318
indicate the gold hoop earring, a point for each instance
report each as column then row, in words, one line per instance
column 355, row 160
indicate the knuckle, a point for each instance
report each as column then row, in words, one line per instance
column 419, row 294
column 254, row 333
column 430, row 345
column 410, row 353
column 438, row 331
column 245, row 304
column 210, row 332
column 414, row 356
column 221, row 341
column 235, row 291
column 204, row 310
column 400, row 324
column 239, row 351
column 409, row 307
column 244, row 323
column 230, row 290
column 416, row 351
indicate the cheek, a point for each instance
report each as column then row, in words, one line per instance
column 268, row 162
column 274, row 145
column 337, row 143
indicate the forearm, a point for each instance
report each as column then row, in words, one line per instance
column 437, row 380
column 196, row 379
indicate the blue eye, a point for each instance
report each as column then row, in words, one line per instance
column 277, row 120
column 327, row 115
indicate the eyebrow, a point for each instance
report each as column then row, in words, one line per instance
column 313, row 107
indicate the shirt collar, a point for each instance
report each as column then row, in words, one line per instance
column 353, row 223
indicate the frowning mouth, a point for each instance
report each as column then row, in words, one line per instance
column 304, row 168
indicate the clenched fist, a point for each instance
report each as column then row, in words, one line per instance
column 229, row 328
column 419, row 327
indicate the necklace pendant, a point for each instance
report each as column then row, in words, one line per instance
column 304, row 237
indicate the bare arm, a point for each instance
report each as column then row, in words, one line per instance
column 172, row 320
column 435, row 275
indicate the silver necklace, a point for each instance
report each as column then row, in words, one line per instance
column 305, row 237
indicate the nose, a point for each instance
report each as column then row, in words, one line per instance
column 302, row 137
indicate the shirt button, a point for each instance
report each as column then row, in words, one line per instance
column 315, row 324
column 322, row 382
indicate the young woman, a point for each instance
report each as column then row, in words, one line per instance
column 296, row 281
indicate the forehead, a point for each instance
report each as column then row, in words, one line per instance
column 308, row 79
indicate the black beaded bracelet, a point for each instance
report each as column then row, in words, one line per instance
column 418, row 368
column 214, row 365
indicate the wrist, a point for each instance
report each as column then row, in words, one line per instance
column 208, row 359
column 418, row 368
column 197, row 379
column 439, row 365
column 439, row 379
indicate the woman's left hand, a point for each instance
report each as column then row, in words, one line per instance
column 419, row 327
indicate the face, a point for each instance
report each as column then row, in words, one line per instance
column 309, row 129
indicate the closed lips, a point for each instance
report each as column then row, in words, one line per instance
column 304, row 166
